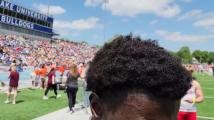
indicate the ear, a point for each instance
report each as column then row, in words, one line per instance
column 97, row 107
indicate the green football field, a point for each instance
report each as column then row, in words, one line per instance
column 30, row 104
column 206, row 109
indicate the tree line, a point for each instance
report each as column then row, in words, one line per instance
column 187, row 56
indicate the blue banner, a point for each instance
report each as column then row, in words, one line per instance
column 24, row 24
column 7, row 5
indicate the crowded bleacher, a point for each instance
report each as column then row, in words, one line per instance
column 31, row 52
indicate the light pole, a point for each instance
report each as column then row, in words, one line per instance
column 48, row 12
column 105, row 2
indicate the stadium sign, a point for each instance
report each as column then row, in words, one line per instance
column 24, row 24
column 7, row 5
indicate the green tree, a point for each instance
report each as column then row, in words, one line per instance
column 173, row 53
column 205, row 56
column 98, row 46
column 211, row 57
column 201, row 56
column 197, row 54
column 185, row 54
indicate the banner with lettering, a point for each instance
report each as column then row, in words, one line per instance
column 24, row 24
column 7, row 5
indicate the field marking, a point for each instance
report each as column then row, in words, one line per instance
column 211, row 81
column 207, row 118
column 209, row 97
column 205, row 81
column 208, row 88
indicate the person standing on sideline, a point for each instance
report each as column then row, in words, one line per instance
column 51, row 84
column 86, row 93
column 213, row 69
column 43, row 73
column 13, row 64
column 194, row 95
column 61, row 70
column 72, row 86
column 13, row 85
column 35, row 81
column 33, row 78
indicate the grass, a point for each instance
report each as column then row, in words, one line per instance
column 206, row 108
column 30, row 104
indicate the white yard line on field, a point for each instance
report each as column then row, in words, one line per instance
column 209, row 97
column 206, row 118
column 208, row 88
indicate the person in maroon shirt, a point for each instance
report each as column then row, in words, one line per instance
column 51, row 84
column 13, row 85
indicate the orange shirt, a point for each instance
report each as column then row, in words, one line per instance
column 37, row 72
column 61, row 69
column 43, row 72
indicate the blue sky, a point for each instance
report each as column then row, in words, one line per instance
column 174, row 23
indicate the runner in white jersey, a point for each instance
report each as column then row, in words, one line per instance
column 194, row 95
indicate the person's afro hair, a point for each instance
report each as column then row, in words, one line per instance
column 130, row 64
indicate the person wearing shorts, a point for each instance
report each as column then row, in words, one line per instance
column 194, row 95
column 33, row 78
column 13, row 85
column 43, row 73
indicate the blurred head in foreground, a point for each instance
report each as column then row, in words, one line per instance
column 134, row 79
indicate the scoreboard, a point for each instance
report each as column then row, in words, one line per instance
column 15, row 15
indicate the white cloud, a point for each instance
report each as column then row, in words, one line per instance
column 62, row 32
column 200, row 18
column 193, row 14
column 207, row 23
column 75, row 27
column 163, row 8
column 154, row 22
column 93, row 3
column 177, row 36
column 196, row 14
column 82, row 24
column 53, row 10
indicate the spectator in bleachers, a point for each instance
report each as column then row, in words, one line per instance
column 59, row 51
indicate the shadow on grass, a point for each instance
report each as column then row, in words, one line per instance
column 52, row 97
column 32, row 89
column 19, row 101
